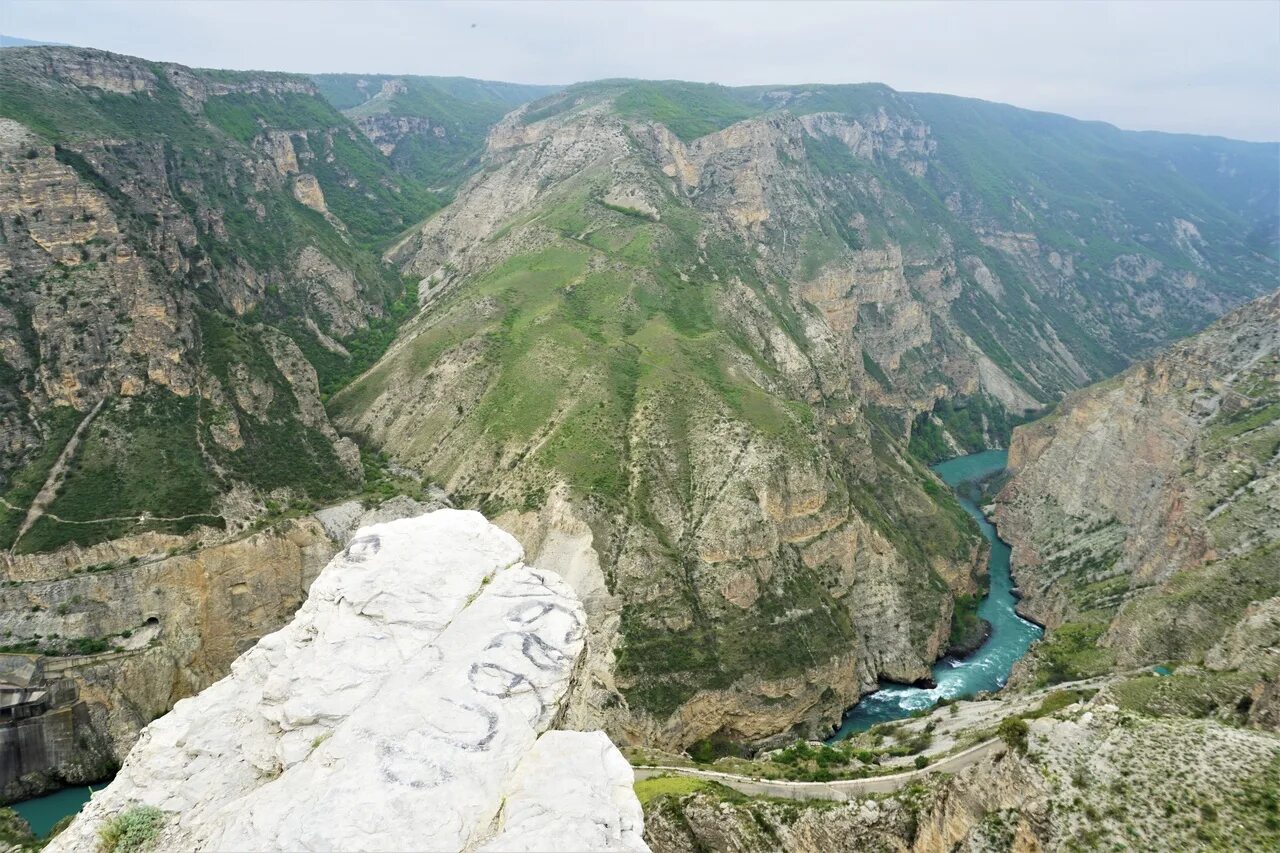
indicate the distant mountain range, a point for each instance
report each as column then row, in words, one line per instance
column 14, row 41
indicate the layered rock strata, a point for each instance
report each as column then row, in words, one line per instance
column 1145, row 512
column 700, row 343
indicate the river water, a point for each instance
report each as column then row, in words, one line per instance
column 43, row 812
column 1011, row 635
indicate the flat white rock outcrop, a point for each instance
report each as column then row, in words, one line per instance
column 404, row 708
column 563, row 787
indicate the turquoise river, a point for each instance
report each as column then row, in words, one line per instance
column 1011, row 635
column 43, row 812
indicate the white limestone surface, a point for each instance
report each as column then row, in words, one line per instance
column 391, row 714
column 570, row 785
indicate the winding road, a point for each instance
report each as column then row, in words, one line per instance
column 844, row 789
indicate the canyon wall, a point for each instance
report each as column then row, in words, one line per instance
column 1144, row 513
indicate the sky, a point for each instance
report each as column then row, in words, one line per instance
column 1192, row 67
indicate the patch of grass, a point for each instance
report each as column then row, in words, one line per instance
column 139, row 455
column 1201, row 694
column 1224, row 426
column 59, row 423
column 1196, row 606
column 365, row 346
column 875, row 371
column 243, row 115
column 689, row 110
column 790, row 629
column 15, row 833
column 1070, row 652
column 362, row 191
column 648, row 790
column 279, row 450
column 1056, row 701
column 62, row 112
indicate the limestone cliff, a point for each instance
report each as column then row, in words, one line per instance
column 165, row 625
column 125, row 628
column 578, row 371
column 1143, row 513
column 406, row 706
column 696, row 341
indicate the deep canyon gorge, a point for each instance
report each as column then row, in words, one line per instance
column 701, row 355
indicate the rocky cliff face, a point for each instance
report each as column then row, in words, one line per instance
column 967, row 282
column 405, row 707
column 183, row 256
column 158, row 626
column 678, row 334
column 589, row 381
column 690, row 339
column 1143, row 513
column 185, row 265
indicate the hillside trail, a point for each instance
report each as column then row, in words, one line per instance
column 56, row 474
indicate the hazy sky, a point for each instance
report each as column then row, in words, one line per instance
column 1211, row 67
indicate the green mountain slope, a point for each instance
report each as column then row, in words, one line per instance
column 692, row 344
column 431, row 128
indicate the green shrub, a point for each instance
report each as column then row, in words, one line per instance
column 58, row 827
column 689, row 110
column 828, row 756
column 14, row 831
column 1070, row 652
column 922, row 761
column 1013, row 731
column 89, row 645
column 132, row 830
column 703, row 752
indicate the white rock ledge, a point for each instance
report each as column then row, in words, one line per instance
column 400, row 710
column 571, row 785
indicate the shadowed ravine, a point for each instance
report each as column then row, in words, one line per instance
column 1011, row 635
